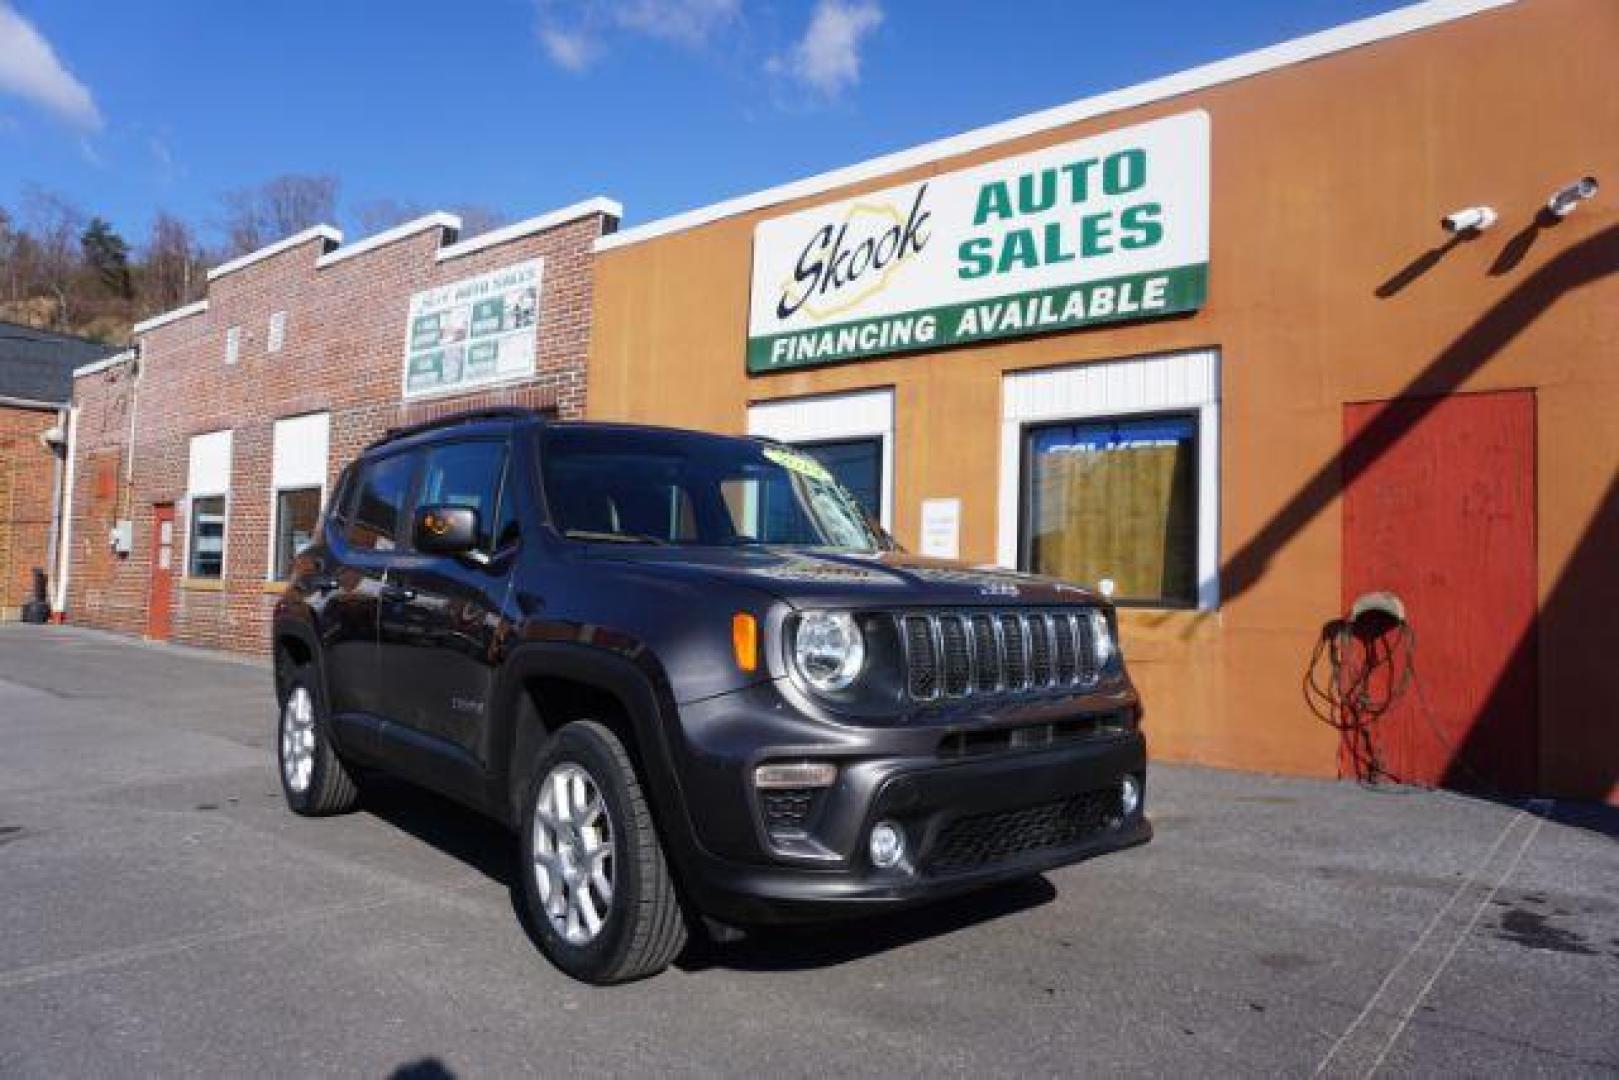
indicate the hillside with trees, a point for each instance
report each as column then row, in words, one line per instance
column 69, row 269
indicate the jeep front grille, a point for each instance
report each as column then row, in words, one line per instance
column 960, row 654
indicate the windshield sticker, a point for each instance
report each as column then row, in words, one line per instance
column 802, row 464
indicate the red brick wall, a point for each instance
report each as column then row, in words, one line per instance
column 27, row 482
column 343, row 354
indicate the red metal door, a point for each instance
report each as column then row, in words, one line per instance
column 1439, row 508
column 160, row 593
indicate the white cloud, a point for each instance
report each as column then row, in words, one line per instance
column 684, row 22
column 29, row 68
column 576, row 33
column 572, row 50
column 827, row 58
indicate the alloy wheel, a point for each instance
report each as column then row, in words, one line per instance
column 298, row 739
column 573, row 853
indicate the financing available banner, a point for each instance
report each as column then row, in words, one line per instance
column 1105, row 229
column 473, row 332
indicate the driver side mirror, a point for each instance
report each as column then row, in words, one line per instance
column 445, row 530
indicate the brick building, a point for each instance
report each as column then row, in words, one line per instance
column 200, row 457
column 36, row 385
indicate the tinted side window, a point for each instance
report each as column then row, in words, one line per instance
column 377, row 508
column 468, row 474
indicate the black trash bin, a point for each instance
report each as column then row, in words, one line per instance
column 37, row 609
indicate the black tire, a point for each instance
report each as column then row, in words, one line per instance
column 329, row 787
column 644, row 928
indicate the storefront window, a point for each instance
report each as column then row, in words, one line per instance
column 1115, row 500
column 857, row 464
column 207, row 547
column 296, row 512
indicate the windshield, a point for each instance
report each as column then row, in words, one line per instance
column 671, row 487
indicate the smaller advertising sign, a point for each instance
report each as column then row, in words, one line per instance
column 473, row 332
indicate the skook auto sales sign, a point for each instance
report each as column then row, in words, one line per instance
column 1104, row 229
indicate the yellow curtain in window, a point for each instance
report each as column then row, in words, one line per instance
column 1126, row 513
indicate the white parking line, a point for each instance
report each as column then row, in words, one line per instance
column 1366, row 1043
column 1482, row 906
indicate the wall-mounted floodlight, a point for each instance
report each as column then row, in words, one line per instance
column 1473, row 219
column 1566, row 198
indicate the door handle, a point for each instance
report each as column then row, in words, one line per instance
column 398, row 594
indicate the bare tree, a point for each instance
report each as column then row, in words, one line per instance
column 53, row 225
column 275, row 209
column 375, row 215
column 477, row 218
column 11, row 243
column 172, row 273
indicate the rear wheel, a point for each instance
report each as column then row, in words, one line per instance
column 313, row 779
column 598, row 887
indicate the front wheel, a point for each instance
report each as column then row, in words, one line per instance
column 603, row 901
column 313, row 778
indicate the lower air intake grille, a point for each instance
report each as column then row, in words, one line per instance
column 985, row 839
column 789, row 808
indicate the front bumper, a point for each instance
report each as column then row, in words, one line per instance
column 968, row 822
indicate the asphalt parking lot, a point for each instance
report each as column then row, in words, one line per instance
column 163, row 914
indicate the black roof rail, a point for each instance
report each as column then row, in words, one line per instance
column 467, row 416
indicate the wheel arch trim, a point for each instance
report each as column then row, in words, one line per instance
column 605, row 672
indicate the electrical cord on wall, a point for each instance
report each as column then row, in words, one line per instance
column 1352, row 696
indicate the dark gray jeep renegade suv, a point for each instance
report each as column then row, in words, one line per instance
column 696, row 680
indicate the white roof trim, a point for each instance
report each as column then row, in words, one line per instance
column 438, row 219
column 598, row 205
column 169, row 316
column 314, row 232
column 1404, row 20
column 102, row 365
column 32, row 404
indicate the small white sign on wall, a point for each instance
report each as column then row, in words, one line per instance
column 941, row 528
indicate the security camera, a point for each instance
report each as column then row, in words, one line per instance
column 53, row 437
column 1565, row 199
column 1473, row 219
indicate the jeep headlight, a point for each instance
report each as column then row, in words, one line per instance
column 828, row 649
column 1102, row 645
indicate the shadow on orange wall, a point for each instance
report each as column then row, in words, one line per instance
column 1583, row 605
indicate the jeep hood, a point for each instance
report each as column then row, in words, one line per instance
column 808, row 578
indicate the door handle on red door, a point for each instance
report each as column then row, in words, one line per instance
column 398, row 594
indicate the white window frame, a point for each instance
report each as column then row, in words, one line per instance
column 276, row 336
column 1174, row 382
column 280, row 480
column 198, row 488
column 233, row 344
column 858, row 414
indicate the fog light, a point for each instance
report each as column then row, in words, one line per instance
column 1129, row 796
column 887, row 844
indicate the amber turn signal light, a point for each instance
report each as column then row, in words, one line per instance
column 745, row 641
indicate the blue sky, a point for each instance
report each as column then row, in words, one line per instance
column 525, row 105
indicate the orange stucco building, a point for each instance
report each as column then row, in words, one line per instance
column 1333, row 396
